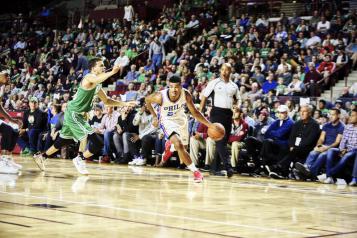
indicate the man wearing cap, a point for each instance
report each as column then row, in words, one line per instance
column 275, row 144
column 34, row 122
column 303, row 137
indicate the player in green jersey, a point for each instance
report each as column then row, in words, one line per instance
column 75, row 126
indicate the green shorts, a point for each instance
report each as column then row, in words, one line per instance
column 75, row 126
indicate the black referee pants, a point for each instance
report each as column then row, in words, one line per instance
column 223, row 116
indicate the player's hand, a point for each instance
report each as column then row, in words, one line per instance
column 155, row 122
column 197, row 136
column 116, row 69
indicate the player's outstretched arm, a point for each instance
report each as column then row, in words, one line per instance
column 111, row 102
column 155, row 98
column 196, row 113
column 103, row 76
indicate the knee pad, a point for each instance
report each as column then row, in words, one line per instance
column 60, row 142
column 95, row 143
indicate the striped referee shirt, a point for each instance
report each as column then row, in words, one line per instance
column 223, row 93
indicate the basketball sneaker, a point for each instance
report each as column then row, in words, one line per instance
column 133, row 162
column 39, row 160
column 80, row 165
column 5, row 168
column 11, row 162
column 197, row 176
column 168, row 151
column 140, row 161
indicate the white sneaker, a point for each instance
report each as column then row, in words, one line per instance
column 133, row 162
column 321, row 178
column 329, row 180
column 140, row 162
column 11, row 162
column 5, row 168
column 39, row 160
column 80, row 165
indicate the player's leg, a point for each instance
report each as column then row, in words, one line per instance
column 95, row 145
column 7, row 145
column 185, row 157
column 40, row 158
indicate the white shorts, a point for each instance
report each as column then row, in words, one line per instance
column 180, row 128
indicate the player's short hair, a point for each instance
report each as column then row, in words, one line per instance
column 92, row 62
column 175, row 79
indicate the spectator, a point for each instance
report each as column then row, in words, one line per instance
column 347, row 152
column 123, row 61
column 237, row 135
column 146, row 137
column 303, row 137
column 323, row 26
column 200, row 140
column 107, row 129
column 157, row 53
column 275, row 143
column 330, row 137
column 34, row 122
column 132, row 75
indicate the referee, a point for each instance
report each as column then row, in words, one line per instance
column 224, row 93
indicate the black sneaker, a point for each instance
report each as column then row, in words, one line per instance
column 221, row 173
column 230, row 173
column 275, row 175
column 207, row 168
column 303, row 170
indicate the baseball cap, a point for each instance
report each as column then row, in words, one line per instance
column 283, row 108
column 34, row 99
column 98, row 106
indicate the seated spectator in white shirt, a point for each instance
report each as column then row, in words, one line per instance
column 313, row 40
column 123, row 61
column 323, row 26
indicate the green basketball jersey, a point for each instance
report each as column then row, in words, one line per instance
column 82, row 100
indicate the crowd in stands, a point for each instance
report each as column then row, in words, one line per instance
column 279, row 127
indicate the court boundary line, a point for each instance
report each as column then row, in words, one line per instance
column 35, row 218
column 15, row 224
column 162, row 215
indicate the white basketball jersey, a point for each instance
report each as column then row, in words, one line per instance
column 173, row 111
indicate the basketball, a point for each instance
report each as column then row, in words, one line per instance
column 216, row 132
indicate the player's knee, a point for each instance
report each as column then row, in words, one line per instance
column 178, row 144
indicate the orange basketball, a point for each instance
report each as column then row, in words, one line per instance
column 216, row 132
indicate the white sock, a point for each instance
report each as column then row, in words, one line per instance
column 192, row 167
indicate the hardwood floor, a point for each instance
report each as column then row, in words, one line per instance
column 122, row 201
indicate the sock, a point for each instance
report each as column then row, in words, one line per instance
column 192, row 167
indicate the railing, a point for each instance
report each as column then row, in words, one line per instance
column 340, row 73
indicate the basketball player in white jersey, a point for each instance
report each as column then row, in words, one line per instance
column 173, row 120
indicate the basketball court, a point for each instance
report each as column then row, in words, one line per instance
column 122, row 201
